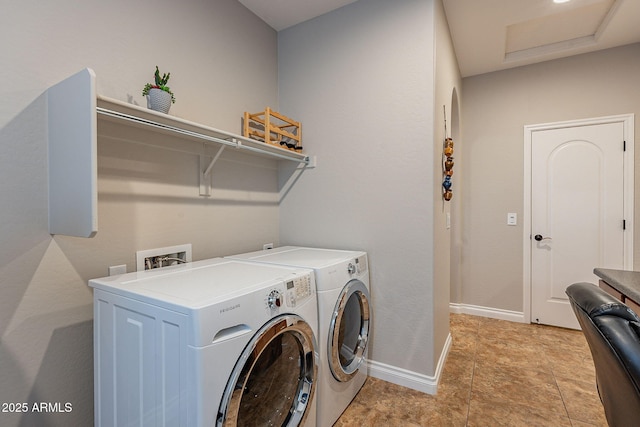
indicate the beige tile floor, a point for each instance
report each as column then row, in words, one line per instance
column 497, row 373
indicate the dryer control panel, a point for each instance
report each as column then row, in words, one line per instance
column 358, row 265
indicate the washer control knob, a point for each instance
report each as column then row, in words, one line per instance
column 351, row 269
column 273, row 299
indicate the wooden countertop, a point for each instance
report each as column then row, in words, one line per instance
column 624, row 281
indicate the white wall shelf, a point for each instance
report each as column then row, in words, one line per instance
column 77, row 115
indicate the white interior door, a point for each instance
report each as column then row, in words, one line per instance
column 577, row 213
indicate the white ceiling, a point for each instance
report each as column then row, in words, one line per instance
column 491, row 35
column 281, row 14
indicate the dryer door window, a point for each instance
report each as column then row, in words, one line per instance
column 349, row 331
column 274, row 380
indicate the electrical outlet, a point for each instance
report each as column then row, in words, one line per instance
column 149, row 259
column 117, row 269
column 267, row 246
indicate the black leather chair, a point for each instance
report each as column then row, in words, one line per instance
column 612, row 331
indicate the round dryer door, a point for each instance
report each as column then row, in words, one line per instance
column 349, row 331
column 274, row 380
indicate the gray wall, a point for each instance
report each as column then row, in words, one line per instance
column 496, row 107
column 365, row 93
column 362, row 81
column 448, row 85
column 223, row 61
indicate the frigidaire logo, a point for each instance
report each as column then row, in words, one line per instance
column 231, row 307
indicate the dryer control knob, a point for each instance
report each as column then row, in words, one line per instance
column 351, row 269
column 273, row 299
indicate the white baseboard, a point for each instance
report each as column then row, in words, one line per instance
column 413, row 380
column 493, row 313
column 426, row 383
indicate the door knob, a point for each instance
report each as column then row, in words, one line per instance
column 539, row 238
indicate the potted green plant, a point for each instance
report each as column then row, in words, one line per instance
column 159, row 96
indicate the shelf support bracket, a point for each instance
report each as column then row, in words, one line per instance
column 205, row 172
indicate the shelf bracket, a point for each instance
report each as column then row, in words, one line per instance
column 205, row 172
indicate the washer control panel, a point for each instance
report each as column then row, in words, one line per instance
column 298, row 289
column 291, row 292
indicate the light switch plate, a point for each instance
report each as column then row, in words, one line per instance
column 512, row 218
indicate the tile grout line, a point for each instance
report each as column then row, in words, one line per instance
column 555, row 379
column 473, row 372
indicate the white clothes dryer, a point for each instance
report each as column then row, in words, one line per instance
column 344, row 310
column 217, row 342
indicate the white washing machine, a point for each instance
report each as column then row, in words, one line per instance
column 210, row 343
column 342, row 281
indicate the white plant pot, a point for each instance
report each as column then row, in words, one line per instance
column 159, row 100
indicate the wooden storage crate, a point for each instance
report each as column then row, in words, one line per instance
column 273, row 128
